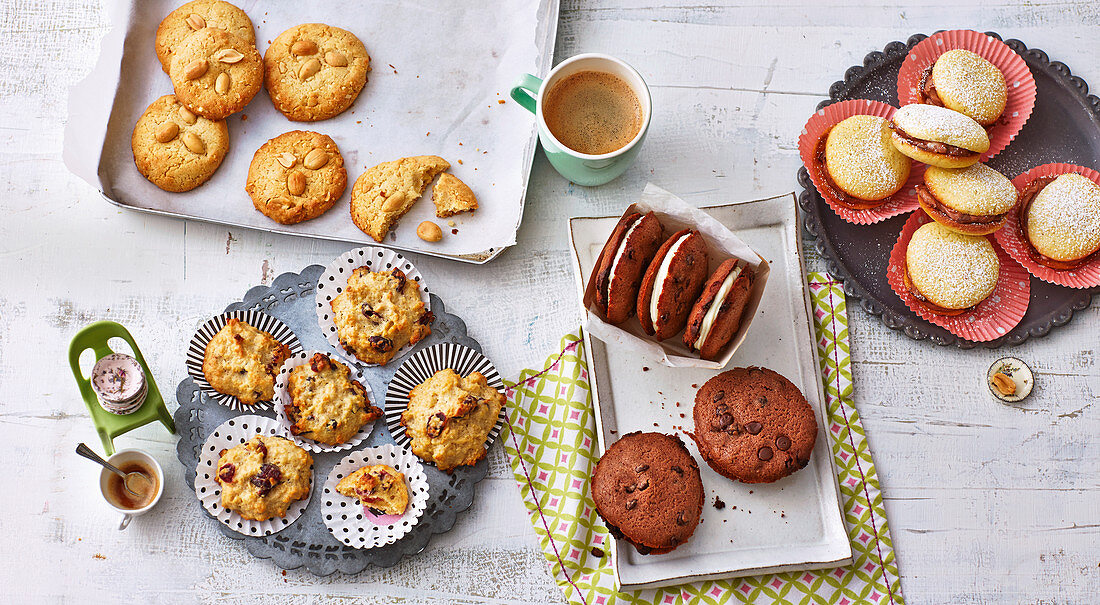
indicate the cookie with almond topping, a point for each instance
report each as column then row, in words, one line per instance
column 647, row 489
column 296, row 176
column 194, row 16
column 753, row 425
column 315, row 71
column 384, row 193
column 215, row 73
column 176, row 149
column 378, row 313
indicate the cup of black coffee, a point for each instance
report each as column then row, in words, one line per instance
column 592, row 111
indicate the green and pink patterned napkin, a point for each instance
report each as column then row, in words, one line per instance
column 550, row 441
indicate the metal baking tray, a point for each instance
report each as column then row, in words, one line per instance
column 794, row 523
column 1064, row 127
column 425, row 95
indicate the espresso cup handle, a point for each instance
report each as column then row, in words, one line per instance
column 125, row 522
column 526, row 91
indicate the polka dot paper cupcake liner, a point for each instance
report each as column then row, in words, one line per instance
column 229, row 434
column 335, row 278
column 990, row 319
column 1012, row 240
column 282, row 398
column 355, row 525
column 819, row 125
column 1018, row 78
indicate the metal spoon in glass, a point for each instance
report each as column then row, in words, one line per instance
column 136, row 482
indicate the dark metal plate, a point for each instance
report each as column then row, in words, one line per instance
column 307, row 542
column 1064, row 127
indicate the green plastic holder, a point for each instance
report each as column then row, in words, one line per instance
column 95, row 336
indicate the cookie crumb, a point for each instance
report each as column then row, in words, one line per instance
column 596, row 552
column 645, row 368
column 99, row 556
column 501, row 101
column 718, row 504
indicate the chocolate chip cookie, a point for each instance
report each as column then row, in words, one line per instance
column 296, row 176
column 378, row 313
column 753, row 425
column 647, row 490
column 194, row 16
column 449, row 418
column 176, row 149
column 215, row 73
column 315, row 71
column 262, row 477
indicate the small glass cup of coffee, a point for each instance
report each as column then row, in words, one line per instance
column 592, row 111
column 114, row 489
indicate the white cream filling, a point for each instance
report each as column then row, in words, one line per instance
column 622, row 249
column 716, row 305
column 662, row 275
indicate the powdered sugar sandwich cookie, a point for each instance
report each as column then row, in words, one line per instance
column 947, row 272
column 974, row 200
column 965, row 82
column 1059, row 220
column 860, row 164
column 938, row 136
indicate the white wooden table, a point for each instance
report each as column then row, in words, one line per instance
column 986, row 503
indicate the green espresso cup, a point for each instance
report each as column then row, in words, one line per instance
column 583, row 168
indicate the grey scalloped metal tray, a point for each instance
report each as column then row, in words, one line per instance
column 1064, row 127
column 307, row 542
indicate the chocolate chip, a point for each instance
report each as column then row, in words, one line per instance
column 718, row 503
column 664, row 317
column 678, row 470
column 754, row 427
column 641, row 468
column 630, row 504
column 644, row 484
column 725, row 420
column 681, row 518
column 764, row 453
column 719, row 396
column 721, row 409
column 629, row 489
column 783, row 442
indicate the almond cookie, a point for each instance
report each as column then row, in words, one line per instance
column 296, row 176
column 326, row 404
column 449, row 418
column 194, row 16
column 452, row 196
column 753, row 425
column 215, row 73
column 385, row 193
column 379, row 487
column 378, row 313
column 648, row 491
column 262, row 477
column 315, row 71
column 242, row 361
column 176, row 149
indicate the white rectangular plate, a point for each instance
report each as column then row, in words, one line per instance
column 794, row 523
column 433, row 89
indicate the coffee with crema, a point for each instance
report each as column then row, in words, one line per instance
column 592, row 112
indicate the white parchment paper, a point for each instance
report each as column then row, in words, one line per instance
column 676, row 214
column 440, row 74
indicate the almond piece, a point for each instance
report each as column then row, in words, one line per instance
column 188, row 116
column 394, row 202
column 308, row 69
column 336, row 58
column 303, row 48
column 195, row 69
column 1004, row 383
column 221, row 85
column 315, row 159
column 229, row 55
column 429, row 231
column 296, row 183
column 195, row 22
column 287, row 159
column 194, row 143
column 167, row 132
